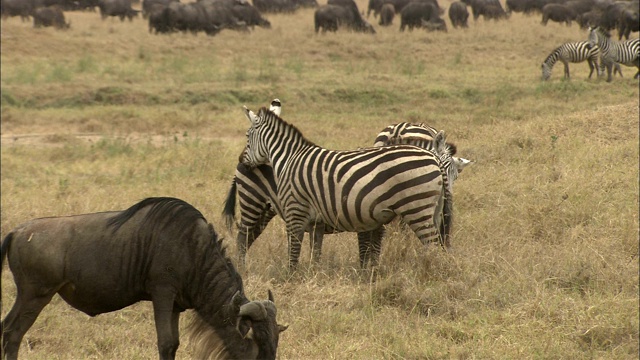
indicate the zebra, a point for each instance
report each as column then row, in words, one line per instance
column 423, row 135
column 574, row 52
column 356, row 191
column 624, row 52
column 256, row 189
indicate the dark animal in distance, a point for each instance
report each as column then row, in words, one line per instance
column 331, row 17
column 387, row 13
column 488, row 9
column 120, row 8
column 50, row 16
column 415, row 13
column 160, row 249
column 558, row 13
column 458, row 14
column 22, row 8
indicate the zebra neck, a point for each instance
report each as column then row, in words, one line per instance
column 552, row 58
column 281, row 150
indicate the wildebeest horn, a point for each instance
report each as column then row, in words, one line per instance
column 271, row 296
column 254, row 310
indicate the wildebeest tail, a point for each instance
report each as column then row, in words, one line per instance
column 4, row 248
column 229, row 211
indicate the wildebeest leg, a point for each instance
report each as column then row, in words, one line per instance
column 167, row 319
column 23, row 314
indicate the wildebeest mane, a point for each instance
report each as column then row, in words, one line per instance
column 181, row 213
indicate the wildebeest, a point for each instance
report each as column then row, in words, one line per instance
column 387, row 12
column 458, row 14
column 22, row 8
column 558, row 13
column 628, row 22
column 282, row 6
column 415, row 13
column 331, row 17
column 160, row 249
column 147, row 6
column 119, row 8
column 435, row 24
column 488, row 9
column 50, row 16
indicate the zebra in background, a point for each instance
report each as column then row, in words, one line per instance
column 423, row 136
column 355, row 191
column 574, row 52
column 624, row 52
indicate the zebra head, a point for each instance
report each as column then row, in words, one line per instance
column 276, row 106
column 255, row 153
column 596, row 35
column 450, row 164
column 546, row 71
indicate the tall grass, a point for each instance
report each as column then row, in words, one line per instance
column 545, row 239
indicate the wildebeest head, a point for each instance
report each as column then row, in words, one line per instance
column 256, row 320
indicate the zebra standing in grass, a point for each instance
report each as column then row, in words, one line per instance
column 574, row 52
column 355, row 191
column 624, row 52
column 258, row 203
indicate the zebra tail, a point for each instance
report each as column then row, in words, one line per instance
column 229, row 211
column 4, row 249
column 447, row 219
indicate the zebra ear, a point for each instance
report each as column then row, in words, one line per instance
column 461, row 163
column 250, row 115
column 440, row 142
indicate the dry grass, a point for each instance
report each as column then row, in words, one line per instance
column 545, row 263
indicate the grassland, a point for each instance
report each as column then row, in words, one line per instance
column 545, row 259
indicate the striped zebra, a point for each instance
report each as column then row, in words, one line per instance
column 623, row 52
column 574, row 52
column 354, row 191
column 423, row 135
column 256, row 189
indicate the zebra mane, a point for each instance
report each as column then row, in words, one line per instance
column 269, row 116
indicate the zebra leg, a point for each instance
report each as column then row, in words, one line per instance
column 294, row 235
column 591, row 66
column 315, row 241
column 566, row 69
column 376, row 245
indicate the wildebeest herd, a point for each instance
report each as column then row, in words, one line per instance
column 213, row 16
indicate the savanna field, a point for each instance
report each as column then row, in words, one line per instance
column 544, row 262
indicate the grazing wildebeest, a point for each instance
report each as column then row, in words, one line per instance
column 160, row 249
column 414, row 13
column 22, row 8
column 458, row 14
column 558, row 13
column 628, row 22
column 50, row 16
column 119, row 8
column 387, row 12
column 331, row 17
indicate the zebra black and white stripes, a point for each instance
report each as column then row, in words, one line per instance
column 356, row 191
column 624, row 52
column 574, row 52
